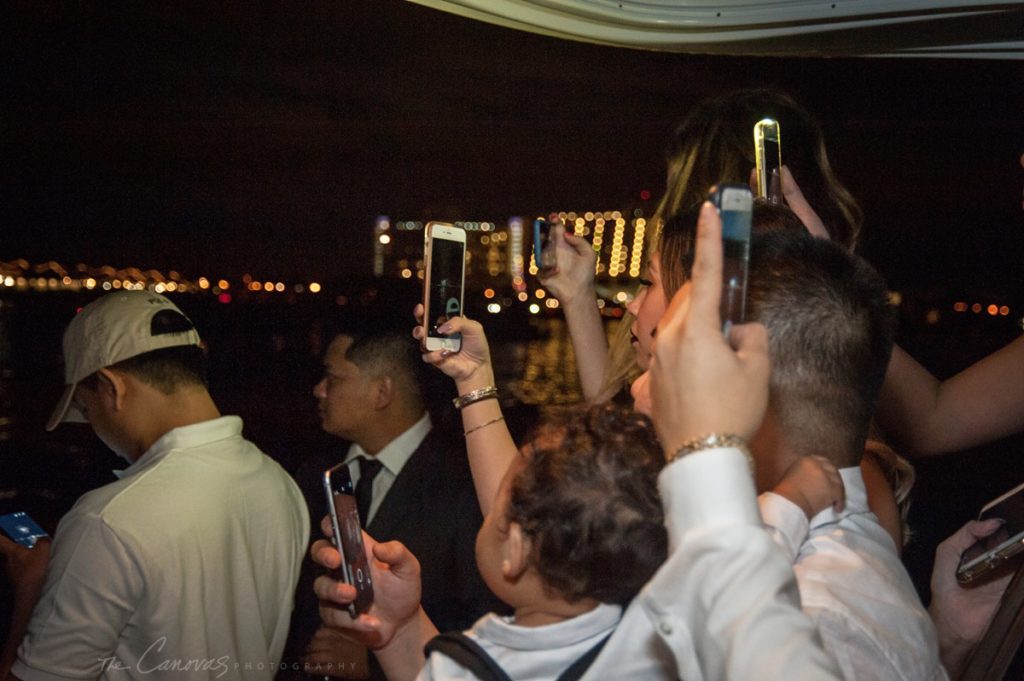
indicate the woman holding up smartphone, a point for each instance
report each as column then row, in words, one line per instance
column 713, row 144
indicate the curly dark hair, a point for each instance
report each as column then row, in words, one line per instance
column 589, row 503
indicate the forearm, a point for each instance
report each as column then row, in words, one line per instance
column 589, row 342
column 489, row 445
column 907, row 401
column 402, row 658
column 954, row 651
column 983, row 402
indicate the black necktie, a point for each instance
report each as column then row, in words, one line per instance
column 368, row 469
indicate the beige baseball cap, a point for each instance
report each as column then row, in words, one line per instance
column 114, row 328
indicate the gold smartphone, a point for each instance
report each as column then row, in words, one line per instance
column 443, row 284
column 990, row 553
column 768, row 155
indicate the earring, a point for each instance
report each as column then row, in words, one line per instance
column 506, row 566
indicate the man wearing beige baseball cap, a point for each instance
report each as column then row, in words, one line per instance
column 189, row 561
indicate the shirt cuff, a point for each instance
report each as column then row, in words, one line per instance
column 708, row 489
column 786, row 522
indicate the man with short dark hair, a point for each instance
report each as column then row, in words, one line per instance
column 412, row 481
column 188, row 562
column 830, row 330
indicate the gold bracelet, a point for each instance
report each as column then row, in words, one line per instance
column 483, row 425
column 486, row 393
column 713, row 441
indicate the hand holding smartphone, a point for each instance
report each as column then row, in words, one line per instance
column 444, row 284
column 735, row 205
column 999, row 547
column 768, row 156
column 22, row 529
column 348, row 537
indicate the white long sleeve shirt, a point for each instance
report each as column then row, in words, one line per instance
column 853, row 585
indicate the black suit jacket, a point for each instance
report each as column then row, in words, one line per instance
column 431, row 508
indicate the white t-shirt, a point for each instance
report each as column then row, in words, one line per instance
column 529, row 652
column 182, row 569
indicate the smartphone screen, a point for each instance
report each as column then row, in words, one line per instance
column 348, row 537
column 1001, row 545
column 543, row 256
column 447, row 259
column 21, row 528
column 735, row 205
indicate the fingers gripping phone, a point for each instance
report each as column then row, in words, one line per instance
column 543, row 254
column 999, row 547
column 768, row 156
column 348, row 537
column 21, row 528
column 735, row 205
column 444, row 284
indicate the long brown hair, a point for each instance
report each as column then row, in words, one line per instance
column 714, row 143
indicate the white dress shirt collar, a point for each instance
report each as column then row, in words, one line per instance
column 396, row 453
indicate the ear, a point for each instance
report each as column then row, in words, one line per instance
column 515, row 552
column 383, row 392
column 113, row 388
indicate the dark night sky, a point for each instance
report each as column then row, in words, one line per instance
column 265, row 139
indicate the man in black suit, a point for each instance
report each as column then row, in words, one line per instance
column 412, row 482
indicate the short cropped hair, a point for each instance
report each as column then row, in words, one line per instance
column 386, row 352
column 168, row 369
column 588, row 501
column 831, row 330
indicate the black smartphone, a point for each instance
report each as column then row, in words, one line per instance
column 348, row 537
column 1002, row 545
column 735, row 205
column 543, row 255
column 768, row 156
column 21, row 528
column 444, row 284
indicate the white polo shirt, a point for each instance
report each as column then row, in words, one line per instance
column 184, row 568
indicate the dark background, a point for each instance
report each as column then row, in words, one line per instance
column 265, row 138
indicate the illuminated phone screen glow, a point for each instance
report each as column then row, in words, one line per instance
column 446, row 269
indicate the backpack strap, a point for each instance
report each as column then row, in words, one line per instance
column 468, row 654
column 471, row 656
column 583, row 662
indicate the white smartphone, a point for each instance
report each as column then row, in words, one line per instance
column 735, row 205
column 444, row 284
column 348, row 537
column 1002, row 545
column 768, row 156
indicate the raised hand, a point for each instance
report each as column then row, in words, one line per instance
column 572, row 277
column 472, row 363
column 396, row 591
column 700, row 382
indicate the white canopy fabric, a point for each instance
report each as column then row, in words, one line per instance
column 910, row 28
